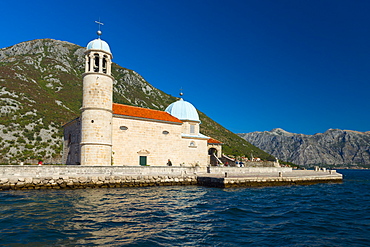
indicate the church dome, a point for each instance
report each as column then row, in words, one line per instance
column 98, row 44
column 183, row 110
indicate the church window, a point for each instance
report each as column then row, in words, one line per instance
column 92, row 121
column 165, row 132
column 192, row 129
column 123, row 128
column 192, row 144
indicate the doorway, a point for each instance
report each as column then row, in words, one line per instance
column 143, row 160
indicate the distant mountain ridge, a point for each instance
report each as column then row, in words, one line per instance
column 335, row 147
column 41, row 89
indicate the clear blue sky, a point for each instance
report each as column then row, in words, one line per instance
column 250, row 65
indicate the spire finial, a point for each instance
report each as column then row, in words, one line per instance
column 181, row 93
column 99, row 24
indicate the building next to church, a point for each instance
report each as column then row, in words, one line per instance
column 115, row 134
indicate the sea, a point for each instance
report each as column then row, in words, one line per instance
column 328, row 214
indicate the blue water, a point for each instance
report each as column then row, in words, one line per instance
column 315, row 215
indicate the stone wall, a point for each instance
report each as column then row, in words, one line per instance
column 83, row 182
column 47, row 171
column 71, row 142
column 72, row 177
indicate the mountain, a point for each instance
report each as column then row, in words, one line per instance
column 335, row 147
column 41, row 89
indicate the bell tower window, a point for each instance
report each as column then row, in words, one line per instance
column 87, row 68
column 96, row 62
column 105, row 64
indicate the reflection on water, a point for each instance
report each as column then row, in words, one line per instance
column 116, row 215
column 316, row 215
column 107, row 216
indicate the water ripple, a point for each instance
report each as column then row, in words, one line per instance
column 316, row 215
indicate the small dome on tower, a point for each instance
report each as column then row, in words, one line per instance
column 98, row 44
column 183, row 110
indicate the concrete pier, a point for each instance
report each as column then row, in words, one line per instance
column 73, row 177
column 295, row 177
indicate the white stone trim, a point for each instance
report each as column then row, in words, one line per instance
column 95, row 143
column 95, row 108
column 96, row 73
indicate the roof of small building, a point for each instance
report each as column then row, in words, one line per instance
column 98, row 44
column 183, row 110
column 213, row 141
column 139, row 112
column 198, row 136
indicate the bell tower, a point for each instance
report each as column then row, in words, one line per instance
column 96, row 110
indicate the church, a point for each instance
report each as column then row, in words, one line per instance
column 107, row 133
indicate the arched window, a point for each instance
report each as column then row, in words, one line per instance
column 96, row 62
column 105, row 59
column 88, row 64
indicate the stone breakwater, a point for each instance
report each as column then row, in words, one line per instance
column 82, row 177
column 66, row 182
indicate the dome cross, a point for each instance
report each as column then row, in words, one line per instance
column 99, row 24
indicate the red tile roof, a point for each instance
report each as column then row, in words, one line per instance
column 213, row 141
column 134, row 111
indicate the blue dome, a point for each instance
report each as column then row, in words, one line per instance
column 98, row 44
column 183, row 110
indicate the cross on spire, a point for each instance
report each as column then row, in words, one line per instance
column 99, row 24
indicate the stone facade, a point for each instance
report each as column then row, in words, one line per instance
column 157, row 141
column 135, row 138
column 71, row 143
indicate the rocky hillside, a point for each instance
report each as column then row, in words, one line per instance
column 41, row 89
column 334, row 147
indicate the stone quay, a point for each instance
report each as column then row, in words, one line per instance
column 83, row 177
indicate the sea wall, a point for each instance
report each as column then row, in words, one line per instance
column 79, row 177
column 73, row 177
column 83, row 182
column 255, row 179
